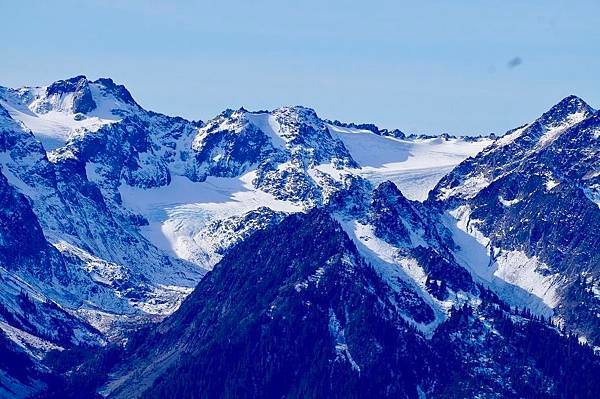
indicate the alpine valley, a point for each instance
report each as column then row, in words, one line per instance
column 276, row 254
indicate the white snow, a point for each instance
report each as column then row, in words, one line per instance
column 551, row 183
column 91, row 171
column 6, row 167
column 555, row 131
column 508, row 203
column 269, row 125
column 549, row 136
column 177, row 213
column 53, row 128
column 329, row 169
column 515, row 267
column 469, row 188
column 509, row 138
column 35, row 346
column 591, row 175
column 98, row 269
column 164, row 299
column 593, row 193
column 415, row 166
column 519, row 279
column 51, row 118
column 390, row 265
column 341, row 347
column 474, row 184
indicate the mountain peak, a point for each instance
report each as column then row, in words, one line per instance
column 389, row 189
column 569, row 108
column 119, row 91
column 299, row 110
column 57, row 111
column 80, row 86
column 67, row 85
column 572, row 99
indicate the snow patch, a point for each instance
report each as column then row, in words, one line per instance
column 515, row 267
column 553, row 133
column 268, row 124
column 591, row 175
column 391, row 266
column 518, row 279
column 550, row 184
column 469, row 188
column 508, row 203
column 33, row 345
column 509, row 138
column 341, row 347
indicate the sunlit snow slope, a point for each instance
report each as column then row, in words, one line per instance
column 414, row 165
column 179, row 214
column 185, row 217
column 65, row 109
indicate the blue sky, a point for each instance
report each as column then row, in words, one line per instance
column 425, row 67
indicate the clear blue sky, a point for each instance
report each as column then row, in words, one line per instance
column 421, row 66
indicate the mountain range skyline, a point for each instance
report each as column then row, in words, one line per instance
column 421, row 68
column 146, row 255
column 207, row 199
column 342, row 122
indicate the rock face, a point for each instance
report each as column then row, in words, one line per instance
column 110, row 266
column 532, row 198
column 23, row 245
column 83, row 102
column 294, row 311
column 76, row 269
column 112, row 214
column 296, row 308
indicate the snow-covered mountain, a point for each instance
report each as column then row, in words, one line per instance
column 526, row 213
column 112, row 214
column 296, row 311
column 67, row 108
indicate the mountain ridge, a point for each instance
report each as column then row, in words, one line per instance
column 137, row 206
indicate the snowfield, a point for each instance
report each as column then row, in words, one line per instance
column 179, row 212
column 52, row 120
column 415, row 166
column 518, row 278
column 126, row 210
